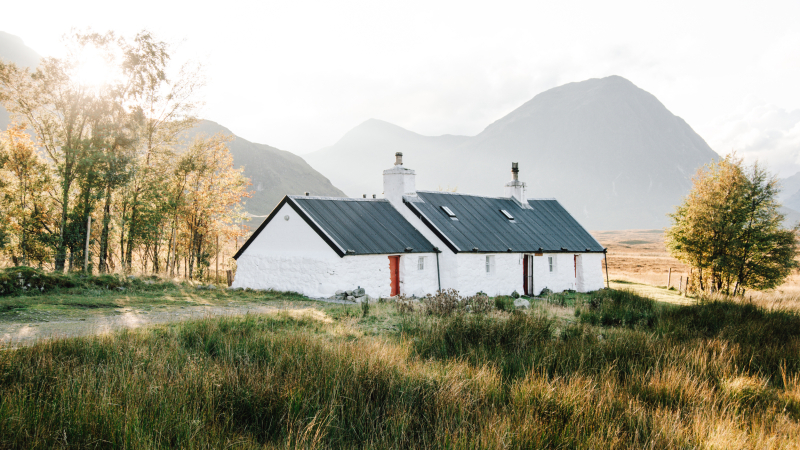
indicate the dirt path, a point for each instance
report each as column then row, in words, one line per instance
column 14, row 334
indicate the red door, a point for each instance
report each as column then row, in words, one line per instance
column 525, row 275
column 575, row 262
column 394, row 273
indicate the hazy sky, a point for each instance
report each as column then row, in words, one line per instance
column 298, row 75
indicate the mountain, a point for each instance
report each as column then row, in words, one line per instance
column 272, row 172
column 12, row 49
column 789, row 194
column 609, row 151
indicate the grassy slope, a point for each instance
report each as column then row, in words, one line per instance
column 623, row 372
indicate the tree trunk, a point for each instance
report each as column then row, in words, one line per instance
column 61, row 245
column 104, row 234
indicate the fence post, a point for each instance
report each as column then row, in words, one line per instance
column 669, row 277
column 230, row 277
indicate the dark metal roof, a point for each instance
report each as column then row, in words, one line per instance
column 354, row 226
column 480, row 224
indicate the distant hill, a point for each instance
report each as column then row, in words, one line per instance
column 272, row 172
column 12, row 49
column 610, row 152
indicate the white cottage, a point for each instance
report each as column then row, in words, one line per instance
column 417, row 242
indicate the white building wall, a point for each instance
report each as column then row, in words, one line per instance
column 589, row 275
column 288, row 255
column 593, row 278
column 414, row 281
column 473, row 278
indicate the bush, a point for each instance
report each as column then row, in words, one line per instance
column 444, row 303
column 27, row 280
column 503, row 303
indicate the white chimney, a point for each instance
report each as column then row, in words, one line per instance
column 398, row 181
column 516, row 188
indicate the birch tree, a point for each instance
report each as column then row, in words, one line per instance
column 729, row 229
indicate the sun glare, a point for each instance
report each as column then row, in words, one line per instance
column 94, row 70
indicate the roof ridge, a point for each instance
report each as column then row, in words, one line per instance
column 341, row 199
column 464, row 194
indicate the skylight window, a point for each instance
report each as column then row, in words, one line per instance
column 507, row 214
column 448, row 211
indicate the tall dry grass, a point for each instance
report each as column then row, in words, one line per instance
column 715, row 375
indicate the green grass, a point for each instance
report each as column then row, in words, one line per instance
column 48, row 296
column 646, row 375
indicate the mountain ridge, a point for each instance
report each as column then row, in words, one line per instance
column 606, row 149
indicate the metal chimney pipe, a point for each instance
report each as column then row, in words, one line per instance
column 398, row 159
column 307, row 194
column 515, row 171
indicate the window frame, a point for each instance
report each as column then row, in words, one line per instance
column 421, row 263
column 448, row 211
column 490, row 264
column 552, row 263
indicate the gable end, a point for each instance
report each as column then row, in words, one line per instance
column 299, row 210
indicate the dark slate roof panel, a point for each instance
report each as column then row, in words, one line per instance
column 365, row 226
column 546, row 225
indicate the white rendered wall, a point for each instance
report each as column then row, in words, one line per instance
column 590, row 277
column 472, row 276
column 593, row 278
column 414, row 281
column 290, row 256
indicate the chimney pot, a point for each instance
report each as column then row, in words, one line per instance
column 307, row 194
column 515, row 171
column 373, row 196
column 398, row 159
column 365, row 195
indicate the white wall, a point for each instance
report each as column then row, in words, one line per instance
column 593, row 275
column 414, row 281
column 290, row 256
column 506, row 278
column 590, row 276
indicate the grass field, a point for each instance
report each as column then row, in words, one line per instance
column 611, row 369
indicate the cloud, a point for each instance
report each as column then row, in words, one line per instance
column 760, row 131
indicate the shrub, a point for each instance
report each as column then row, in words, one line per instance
column 444, row 303
column 479, row 303
column 503, row 303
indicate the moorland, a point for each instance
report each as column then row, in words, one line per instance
column 609, row 369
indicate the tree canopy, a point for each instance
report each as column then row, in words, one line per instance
column 729, row 229
column 110, row 122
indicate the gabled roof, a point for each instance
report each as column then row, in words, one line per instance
column 353, row 226
column 480, row 225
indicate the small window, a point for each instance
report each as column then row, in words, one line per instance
column 490, row 264
column 507, row 214
column 551, row 261
column 448, row 211
column 421, row 263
